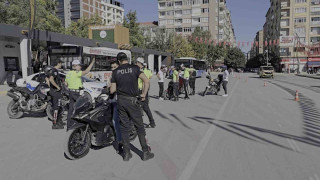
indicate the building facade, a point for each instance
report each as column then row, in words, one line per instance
column 112, row 12
column 149, row 29
column 183, row 16
column 258, row 47
column 296, row 24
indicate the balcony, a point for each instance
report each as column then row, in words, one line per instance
column 285, row 5
column 315, row 23
column 315, row 13
column 315, row 2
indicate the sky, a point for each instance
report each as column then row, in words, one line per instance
column 248, row 16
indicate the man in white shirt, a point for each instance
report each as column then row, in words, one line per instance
column 160, row 76
column 225, row 80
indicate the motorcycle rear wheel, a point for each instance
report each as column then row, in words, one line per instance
column 14, row 110
column 74, row 149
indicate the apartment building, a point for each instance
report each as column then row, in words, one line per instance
column 149, row 29
column 296, row 24
column 258, row 47
column 183, row 16
column 112, row 12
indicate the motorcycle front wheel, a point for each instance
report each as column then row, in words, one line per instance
column 14, row 110
column 78, row 143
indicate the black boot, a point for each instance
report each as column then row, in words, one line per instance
column 126, row 152
column 147, row 155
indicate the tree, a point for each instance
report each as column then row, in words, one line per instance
column 162, row 41
column 17, row 12
column 80, row 28
column 197, row 40
column 181, row 48
column 255, row 62
column 214, row 53
column 130, row 22
column 235, row 58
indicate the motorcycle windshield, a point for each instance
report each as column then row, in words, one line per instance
column 81, row 105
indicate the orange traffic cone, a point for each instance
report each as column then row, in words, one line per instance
column 265, row 84
column 297, row 96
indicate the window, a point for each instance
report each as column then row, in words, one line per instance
column 186, row 11
column 300, row 1
column 204, row 28
column 179, row 3
column 300, row 20
column 187, row 20
column 162, row 13
column 300, row 10
column 179, row 12
column 205, row 1
column 195, row 20
column 301, row 31
column 162, row 4
column 204, row 20
column 196, row 2
column 205, row 10
column 187, row 29
column 178, row 29
column 170, row 21
column 187, row 2
column 170, row 13
column 315, row 20
column 178, row 21
column 169, row 4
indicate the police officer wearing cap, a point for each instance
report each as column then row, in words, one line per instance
column 55, row 83
column 145, row 104
column 124, row 81
column 74, row 83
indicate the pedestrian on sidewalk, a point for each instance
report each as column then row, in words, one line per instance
column 160, row 76
column 225, row 81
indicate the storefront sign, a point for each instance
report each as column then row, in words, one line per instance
column 287, row 41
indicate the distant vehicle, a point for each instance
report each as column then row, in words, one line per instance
column 266, row 71
column 199, row 65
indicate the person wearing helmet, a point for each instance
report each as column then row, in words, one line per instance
column 55, row 83
column 145, row 104
column 124, row 81
column 74, row 84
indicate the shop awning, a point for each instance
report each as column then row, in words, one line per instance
column 314, row 63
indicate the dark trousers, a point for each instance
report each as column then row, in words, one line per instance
column 73, row 96
column 130, row 111
column 146, row 108
column 160, row 89
column 176, row 89
column 56, row 97
column 192, row 83
column 224, row 84
column 186, row 87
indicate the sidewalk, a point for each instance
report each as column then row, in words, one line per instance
column 314, row 76
column 4, row 89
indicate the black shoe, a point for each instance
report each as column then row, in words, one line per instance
column 61, row 123
column 57, row 126
column 120, row 148
column 147, row 155
column 152, row 125
column 186, row 98
column 127, row 156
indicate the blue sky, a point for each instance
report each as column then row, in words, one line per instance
column 248, row 16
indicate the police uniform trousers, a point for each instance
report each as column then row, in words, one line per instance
column 129, row 109
column 186, row 87
column 73, row 96
column 146, row 108
column 192, row 83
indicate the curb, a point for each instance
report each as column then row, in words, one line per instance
column 313, row 77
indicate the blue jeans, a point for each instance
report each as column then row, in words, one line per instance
column 116, row 122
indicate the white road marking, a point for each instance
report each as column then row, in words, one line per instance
column 192, row 163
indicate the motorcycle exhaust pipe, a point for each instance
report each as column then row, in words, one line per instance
column 13, row 95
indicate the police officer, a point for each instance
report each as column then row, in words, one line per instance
column 124, row 81
column 145, row 104
column 186, row 76
column 175, row 79
column 74, row 83
column 55, row 83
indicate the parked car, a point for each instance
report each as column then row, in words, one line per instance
column 92, row 88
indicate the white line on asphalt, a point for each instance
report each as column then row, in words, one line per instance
column 192, row 163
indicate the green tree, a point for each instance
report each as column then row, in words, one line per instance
column 181, row 48
column 17, row 12
column 214, row 53
column 197, row 40
column 162, row 41
column 130, row 22
column 80, row 28
column 235, row 58
column 255, row 62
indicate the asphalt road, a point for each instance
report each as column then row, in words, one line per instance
column 256, row 133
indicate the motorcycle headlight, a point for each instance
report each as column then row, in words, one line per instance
column 97, row 90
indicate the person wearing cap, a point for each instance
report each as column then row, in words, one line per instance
column 145, row 104
column 192, row 80
column 74, row 84
column 147, row 71
column 186, row 76
column 124, row 81
column 55, row 83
